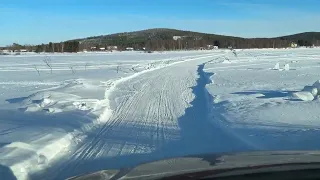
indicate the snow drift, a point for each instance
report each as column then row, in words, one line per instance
column 309, row 93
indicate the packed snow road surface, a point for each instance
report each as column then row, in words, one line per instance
column 157, row 114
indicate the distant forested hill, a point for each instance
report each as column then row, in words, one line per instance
column 172, row 39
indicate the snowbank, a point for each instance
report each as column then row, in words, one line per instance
column 276, row 66
column 304, row 96
column 309, row 93
column 286, row 67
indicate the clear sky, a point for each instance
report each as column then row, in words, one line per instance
column 41, row 21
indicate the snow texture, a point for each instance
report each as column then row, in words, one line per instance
column 117, row 110
column 259, row 106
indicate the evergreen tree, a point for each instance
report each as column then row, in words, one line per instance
column 39, row 49
column 50, row 48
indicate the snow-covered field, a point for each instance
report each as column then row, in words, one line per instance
column 259, row 101
column 63, row 115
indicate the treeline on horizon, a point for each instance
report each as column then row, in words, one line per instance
column 162, row 40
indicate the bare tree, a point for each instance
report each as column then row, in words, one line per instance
column 62, row 47
column 235, row 53
column 47, row 61
column 85, row 66
column 118, row 67
column 35, row 67
column 72, row 69
column 226, row 58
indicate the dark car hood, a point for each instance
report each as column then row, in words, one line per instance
column 198, row 163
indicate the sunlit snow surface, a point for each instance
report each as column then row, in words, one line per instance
column 87, row 112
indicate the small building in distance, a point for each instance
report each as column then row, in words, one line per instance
column 129, row 49
column 210, row 47
column 176, row 37
column 93, row 48
column 293, row 45
column 102, row 49
column 112, row 48
column 23, row 50
column 5, row 51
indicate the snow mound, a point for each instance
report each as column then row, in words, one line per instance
column 314, row 91
column 56, row 102
column 45, row 102
column 81, row 105
column 304, row 96
column 286, row 67
column 276, row 66
column 309, row 91
column 23, row 158
column 216, row 99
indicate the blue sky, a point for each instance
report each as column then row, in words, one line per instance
column 41, row 21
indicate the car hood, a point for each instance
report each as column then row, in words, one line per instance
column 207, row 162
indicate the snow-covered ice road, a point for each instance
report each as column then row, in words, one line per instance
column 157, row 114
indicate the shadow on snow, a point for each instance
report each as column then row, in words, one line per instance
column 267, row 94
column 6, row 173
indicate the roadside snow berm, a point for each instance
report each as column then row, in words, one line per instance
column 309, row 93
